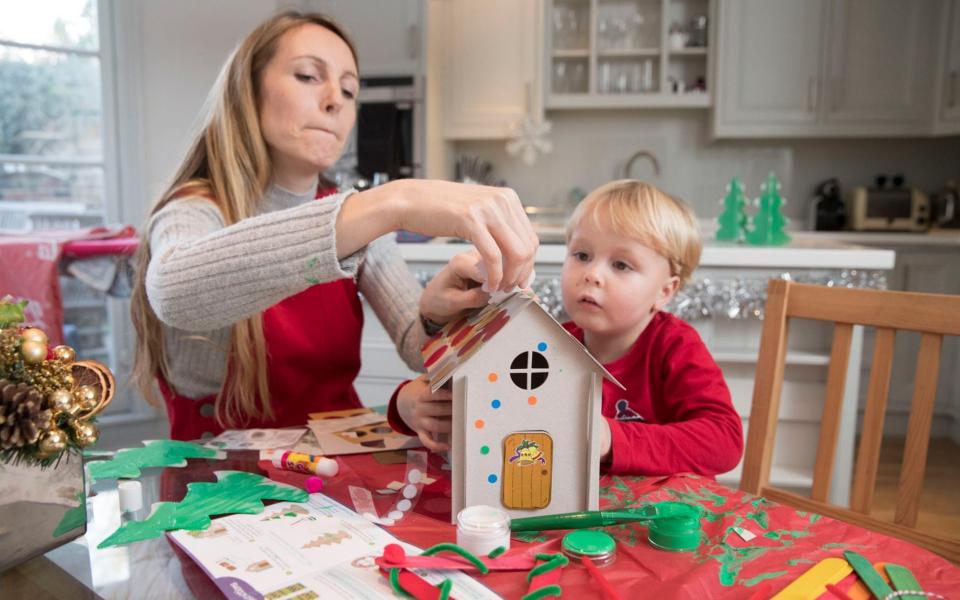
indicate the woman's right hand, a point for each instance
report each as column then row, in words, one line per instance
column 491, row 218
column 428, row 413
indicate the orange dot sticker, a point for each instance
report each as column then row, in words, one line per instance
column 492, row 376
column 532, row 400
column 479, row 424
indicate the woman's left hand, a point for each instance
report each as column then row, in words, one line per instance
column 454, row 289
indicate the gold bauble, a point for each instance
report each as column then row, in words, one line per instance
column 33, row 334
column 52, row 442
column 34, row 352
column 85, row 434
column 86, row 393
column 62, row 401
column 65, row 354
column 69, row 380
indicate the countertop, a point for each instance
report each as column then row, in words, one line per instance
column 804, row 252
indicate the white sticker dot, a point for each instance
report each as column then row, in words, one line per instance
column 395, row 514
column 409, row 491
column 387, row 521
column 404, row 505
column 414, row 476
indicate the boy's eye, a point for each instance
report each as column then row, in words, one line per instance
column 581, row 256
column 620, row 265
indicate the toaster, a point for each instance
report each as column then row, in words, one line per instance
column 887, row 209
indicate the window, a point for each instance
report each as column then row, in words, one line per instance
column 529, row 370
column 51, row 116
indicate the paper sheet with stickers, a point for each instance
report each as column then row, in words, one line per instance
column 317, row 549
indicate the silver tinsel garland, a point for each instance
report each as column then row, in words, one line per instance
column 710, row 298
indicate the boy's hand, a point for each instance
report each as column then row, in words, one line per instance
column 426, row 412
column 605, row 453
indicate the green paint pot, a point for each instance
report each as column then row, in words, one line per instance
column 586, row 544
column 676, row 526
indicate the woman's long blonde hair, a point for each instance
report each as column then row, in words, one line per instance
column 228, row 162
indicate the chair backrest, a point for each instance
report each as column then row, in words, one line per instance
column 933, row 316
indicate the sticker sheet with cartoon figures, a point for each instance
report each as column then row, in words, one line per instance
column 316, row 549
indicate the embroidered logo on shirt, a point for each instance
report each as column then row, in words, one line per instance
column 625, row 413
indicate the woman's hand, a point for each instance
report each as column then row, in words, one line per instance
column 454, row 289
column 489, row 217
column 428, row 413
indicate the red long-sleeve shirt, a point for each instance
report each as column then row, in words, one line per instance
column 675, row 415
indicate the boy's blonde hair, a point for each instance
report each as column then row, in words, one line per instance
column 640, row 211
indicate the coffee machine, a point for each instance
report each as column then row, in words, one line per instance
column 830, row 213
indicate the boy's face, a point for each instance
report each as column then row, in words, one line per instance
column 612, row 284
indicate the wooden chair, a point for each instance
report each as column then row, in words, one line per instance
column 933, row 315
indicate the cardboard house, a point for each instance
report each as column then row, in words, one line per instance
column 526, row 410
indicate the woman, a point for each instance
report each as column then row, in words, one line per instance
column 246, row 301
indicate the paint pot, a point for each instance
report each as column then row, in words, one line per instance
column 596, row 546
column 482, row 529
column 676, row 528
column 130, row 495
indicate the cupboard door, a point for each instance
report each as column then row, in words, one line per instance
column 879, row 75
column 491, row 74
column 769, row 57
column 948, row 100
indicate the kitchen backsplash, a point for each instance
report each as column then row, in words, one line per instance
column 592, row 147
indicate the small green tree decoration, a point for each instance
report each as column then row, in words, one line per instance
column 733, row 219
column 769, row 224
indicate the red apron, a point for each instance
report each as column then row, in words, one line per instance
column 313, row 357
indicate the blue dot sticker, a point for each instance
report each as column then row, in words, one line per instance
column 492, row 478
column 542, row 346
column 495, row 404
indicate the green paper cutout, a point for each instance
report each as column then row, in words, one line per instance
column 733, row 220
column 73, row 518
column 234, row 492
column 155, row 453
column 769, row 224
column 11, row 313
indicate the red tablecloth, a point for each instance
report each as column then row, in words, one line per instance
column 30, row 268
column 788, row 542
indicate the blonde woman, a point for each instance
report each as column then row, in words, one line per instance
column 246, row 302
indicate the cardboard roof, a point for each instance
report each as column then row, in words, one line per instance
column 459, row 340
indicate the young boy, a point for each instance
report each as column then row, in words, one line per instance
column 630, row 247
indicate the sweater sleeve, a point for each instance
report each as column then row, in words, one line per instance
column 700, row 431
column 204, row 275
column 394, row 294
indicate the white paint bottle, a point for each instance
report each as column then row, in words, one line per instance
column 482, row 529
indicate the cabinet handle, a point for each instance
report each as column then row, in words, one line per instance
column 812, row 95
column 953, row 89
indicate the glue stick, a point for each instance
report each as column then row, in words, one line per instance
column 305, row 463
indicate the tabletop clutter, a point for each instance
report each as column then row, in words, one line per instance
column 311, row 526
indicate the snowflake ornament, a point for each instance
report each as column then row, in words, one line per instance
column 529, row 138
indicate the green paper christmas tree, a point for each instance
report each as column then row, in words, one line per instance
column 234, row 492
column 768, row 225
column 733, row 219
column 155, row 453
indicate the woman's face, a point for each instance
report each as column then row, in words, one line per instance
column 308, row 99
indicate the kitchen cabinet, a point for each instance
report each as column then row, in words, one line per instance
column 947, row 107
column 388, row 35
column 824, row 68
column 491, row 67
column 628, row 54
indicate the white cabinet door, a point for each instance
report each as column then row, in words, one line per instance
column 491, row 72
column 769, row 62
column 388, row 35
column 879, row 70
column 948, row 97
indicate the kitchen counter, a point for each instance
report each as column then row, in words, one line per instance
column 805, row 252
column 936, row 238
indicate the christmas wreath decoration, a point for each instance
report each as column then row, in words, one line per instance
column 48, row 399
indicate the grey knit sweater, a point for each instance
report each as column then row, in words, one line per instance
column 204, row 276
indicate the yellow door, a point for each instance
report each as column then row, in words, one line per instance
column 527, row 470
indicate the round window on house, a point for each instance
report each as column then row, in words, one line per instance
column 529, row 370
